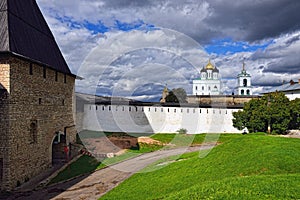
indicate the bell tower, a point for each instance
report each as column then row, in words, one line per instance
column 244, row 82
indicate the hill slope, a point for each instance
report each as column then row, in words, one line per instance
column 250, row 166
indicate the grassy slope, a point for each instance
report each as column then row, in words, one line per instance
column 247, row 167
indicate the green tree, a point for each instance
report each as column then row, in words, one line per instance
column 270, row 110
column 177, row 95
column 295, row 114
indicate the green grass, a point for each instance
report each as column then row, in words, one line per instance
column 242, row 167
column 83, row 165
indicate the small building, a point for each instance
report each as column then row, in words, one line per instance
column 244, row 83
column 36, row 95
column 209, row 82
column 290, row 89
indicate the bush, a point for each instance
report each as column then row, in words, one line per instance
column 182, row 131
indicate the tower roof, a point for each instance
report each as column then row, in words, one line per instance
column 209, row 65
column 24, row 32
column 244, row 72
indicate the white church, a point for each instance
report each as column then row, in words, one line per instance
column 209, row 82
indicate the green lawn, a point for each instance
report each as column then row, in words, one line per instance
column 242, row 167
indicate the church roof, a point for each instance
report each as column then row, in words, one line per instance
column 215, row 70
column 291, row 86
column 209, row 66
column 25, row 33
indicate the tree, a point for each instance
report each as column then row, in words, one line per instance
column 271, row 110
column 295, row 114
column 177, row 95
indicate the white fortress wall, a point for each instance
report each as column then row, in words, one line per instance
column 157, row 119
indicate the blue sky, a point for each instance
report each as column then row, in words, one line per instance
column 92, row 34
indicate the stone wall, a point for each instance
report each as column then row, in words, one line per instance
column 39, row 105
column 158, row 119
column 223, row 99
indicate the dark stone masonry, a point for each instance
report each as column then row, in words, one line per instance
column 36, row 94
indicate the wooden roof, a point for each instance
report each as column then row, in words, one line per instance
column 25, row 33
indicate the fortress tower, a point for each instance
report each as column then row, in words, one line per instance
column 36, row 94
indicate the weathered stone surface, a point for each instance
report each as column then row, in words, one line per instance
column 33, row 108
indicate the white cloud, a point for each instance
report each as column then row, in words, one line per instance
column 90, row 54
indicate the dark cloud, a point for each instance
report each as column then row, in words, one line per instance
column 255, row 20
column 128, row 3
column 282, row 68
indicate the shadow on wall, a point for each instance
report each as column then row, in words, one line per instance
column 4, row 122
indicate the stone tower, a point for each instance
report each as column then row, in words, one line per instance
column 36, row 94
column 209, row 82
column 244, row 82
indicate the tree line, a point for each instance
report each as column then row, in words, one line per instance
column 273, row 113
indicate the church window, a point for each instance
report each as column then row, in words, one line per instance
column 161, row 110
column 103, row 107
column 142, row 109
column 193, row 110
column 207, row 111
column 208, row 87
column 200, row 110
column 242, row 92
column 149, row 109
column 123, row 109
column 216, row 87
column 181, row 110
column 202, row 87
column 30, row 69
column 129, row 109
column 245, row 82
column 168, row 110
column 109, row 108
column 196, row 88
column 136, row 109
column 175, row 110
column 248, row 92
column 187, row 110
column 96, row 107
column 154, row 109
column 220, row 112
column 33, row 131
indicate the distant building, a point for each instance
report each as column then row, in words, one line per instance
column 291, row 89
column 244, row 83
column 36, row 95
column 209, row 81
column 164, row 95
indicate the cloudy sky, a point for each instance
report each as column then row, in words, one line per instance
column 134, row 48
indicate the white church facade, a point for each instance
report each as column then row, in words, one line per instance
column 209, row 82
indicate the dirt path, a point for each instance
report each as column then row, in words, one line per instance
column 99, row 182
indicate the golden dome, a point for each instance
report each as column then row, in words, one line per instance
column 209, row 66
